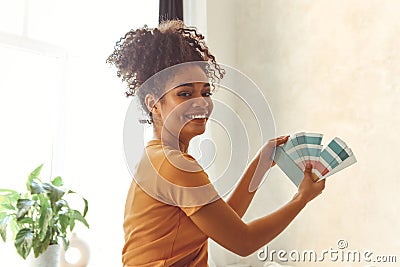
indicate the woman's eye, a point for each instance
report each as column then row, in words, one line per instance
column 207, row 94
column 185, row 94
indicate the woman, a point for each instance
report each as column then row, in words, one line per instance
column 172, row 208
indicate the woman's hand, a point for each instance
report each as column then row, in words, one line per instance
column 309, row 189
column 243, row 194
column 267, row 150
column 245, row 238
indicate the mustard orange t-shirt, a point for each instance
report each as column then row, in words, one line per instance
column 168, row 187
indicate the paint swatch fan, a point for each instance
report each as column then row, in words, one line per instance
column 303, row 148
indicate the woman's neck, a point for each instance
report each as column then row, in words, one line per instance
column 168, row 138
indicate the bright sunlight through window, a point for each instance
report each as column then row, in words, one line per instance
column 63, row 106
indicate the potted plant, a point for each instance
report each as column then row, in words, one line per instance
column 39, row 217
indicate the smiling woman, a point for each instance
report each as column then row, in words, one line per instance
column 172, row 208
column 183, row 110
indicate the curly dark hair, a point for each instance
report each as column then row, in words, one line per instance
column 143, row 52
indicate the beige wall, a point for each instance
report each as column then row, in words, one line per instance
column 331, row 67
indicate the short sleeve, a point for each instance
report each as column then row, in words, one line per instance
column 184, row 183
column 189, row 211
column 174, row 178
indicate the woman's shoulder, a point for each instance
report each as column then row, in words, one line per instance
column 171, row 159
column 174, row 177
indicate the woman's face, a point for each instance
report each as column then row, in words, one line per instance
column 186, row 106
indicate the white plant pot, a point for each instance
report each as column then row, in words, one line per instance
column 50, row 258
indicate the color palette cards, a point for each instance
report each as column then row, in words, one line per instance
column 303, row 148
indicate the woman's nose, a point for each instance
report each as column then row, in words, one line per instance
column 200, row 102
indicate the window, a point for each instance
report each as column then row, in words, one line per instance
column 61, row 105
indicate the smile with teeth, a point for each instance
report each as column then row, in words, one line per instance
column 196, row 116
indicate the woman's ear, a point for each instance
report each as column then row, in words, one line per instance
column 151, row 103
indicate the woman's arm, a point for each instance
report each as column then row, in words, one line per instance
column 221, row 223
column 243, row 194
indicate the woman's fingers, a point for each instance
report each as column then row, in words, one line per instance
column 270, row 146
column 281, row 140
column 310, row 188
column 276, row 142
column 279, row 137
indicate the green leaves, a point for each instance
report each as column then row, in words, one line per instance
column 36, row 187
column 64, row 222
column 44, row 220
column 33, row 175
column 8, row 198
column 40, row 246
column 6, row 192
column 57, row 181
column 76, row 215
column 54, row 193
column 7, row 206
column 39, row 217
column 23, row 206
column 25, row 220
column 23, row 242
column 4, row 218
column 85, row 210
